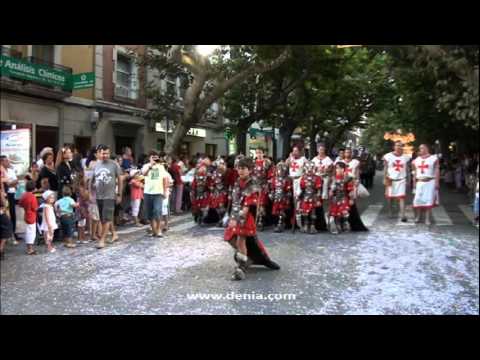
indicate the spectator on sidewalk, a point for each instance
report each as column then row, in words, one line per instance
column 41, row 161
column 29, row 203
column 136, row 196
column 49, row 172
column 106, row 178
column 5, row 224
column 49, row 222
column 65, row 209
column 127, row 158
column 66, row 170
column 10, row 184
column 177, row 173
column 156, row 185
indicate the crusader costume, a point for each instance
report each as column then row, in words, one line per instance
column 260, row 176
column 200, row 194
column 353, row 169
column 396, row 181
column 341, row 200
column 245, row 197
column 281, row 195
column 310, row 198
column 426, row 195
column 218, row 190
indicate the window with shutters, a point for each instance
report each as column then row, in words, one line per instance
column 126, row 77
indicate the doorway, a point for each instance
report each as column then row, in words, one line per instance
column 46, row 136
column 123, row 141
column 83, row 144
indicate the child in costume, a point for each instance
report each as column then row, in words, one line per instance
column 342, row 192
column 241, row 232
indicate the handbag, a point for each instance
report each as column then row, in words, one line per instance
column 362, row 192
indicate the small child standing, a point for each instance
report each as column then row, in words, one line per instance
column 136, row 196
column 65, row 208
column 29, row 203
column 49, row 222
column 5, row 225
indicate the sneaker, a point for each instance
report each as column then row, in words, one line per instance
column 100, row 245
column 52, row 250
column 404, row 219
column 84, row 242
column 159, row 235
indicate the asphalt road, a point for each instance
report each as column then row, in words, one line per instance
column 393, row 269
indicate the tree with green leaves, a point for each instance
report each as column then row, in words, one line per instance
column 206, row 79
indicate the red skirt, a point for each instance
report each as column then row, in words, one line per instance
column 280, row 206
column 200, row 203
column 219, row 200
column 339, row 208
column 249, row 229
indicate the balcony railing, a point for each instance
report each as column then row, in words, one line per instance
column 39, row 61
column 10, row 52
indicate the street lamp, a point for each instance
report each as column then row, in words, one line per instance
column 206, row 50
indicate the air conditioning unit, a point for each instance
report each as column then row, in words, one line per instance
column 122, row 91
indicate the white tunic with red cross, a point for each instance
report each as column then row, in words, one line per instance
column 351, row 167
column 321, row 166
column 397, row 173
column 295, row 172
column 426, row 195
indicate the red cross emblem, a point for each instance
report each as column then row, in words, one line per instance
column 295, row 166
column 348, row 170
column 423, row 167
column 398, row 165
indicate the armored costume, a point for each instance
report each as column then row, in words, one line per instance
column 245, row 196
column 218, row 189
column 280, row 194
column 310, row 197
column 200, row 195
column 260, row 176
column 341, row 199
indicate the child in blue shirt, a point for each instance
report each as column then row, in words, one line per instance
column 65, row 208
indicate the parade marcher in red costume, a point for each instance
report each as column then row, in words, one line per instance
column 219, row 190
column 310, row 197
column 241, row 232
column 260, row 176
column 352, row 168
column 281, row 195
column 342, row 192
column 200, row 194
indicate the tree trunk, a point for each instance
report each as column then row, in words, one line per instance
column 286, row 133
column 313, row 143
column 175, row 140
column 241, row 139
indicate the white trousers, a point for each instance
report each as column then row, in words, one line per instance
column 135, row 204
column 30, row 233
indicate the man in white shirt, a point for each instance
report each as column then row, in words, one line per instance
column 11, row 187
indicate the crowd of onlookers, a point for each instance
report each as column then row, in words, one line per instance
column 67, row 196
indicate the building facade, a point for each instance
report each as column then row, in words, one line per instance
column 87, row 95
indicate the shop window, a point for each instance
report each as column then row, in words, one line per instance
column 211, row 150
column 44, row 53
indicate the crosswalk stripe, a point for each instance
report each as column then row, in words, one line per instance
column 468, row 212
column 441, row 217
column 370, row 214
